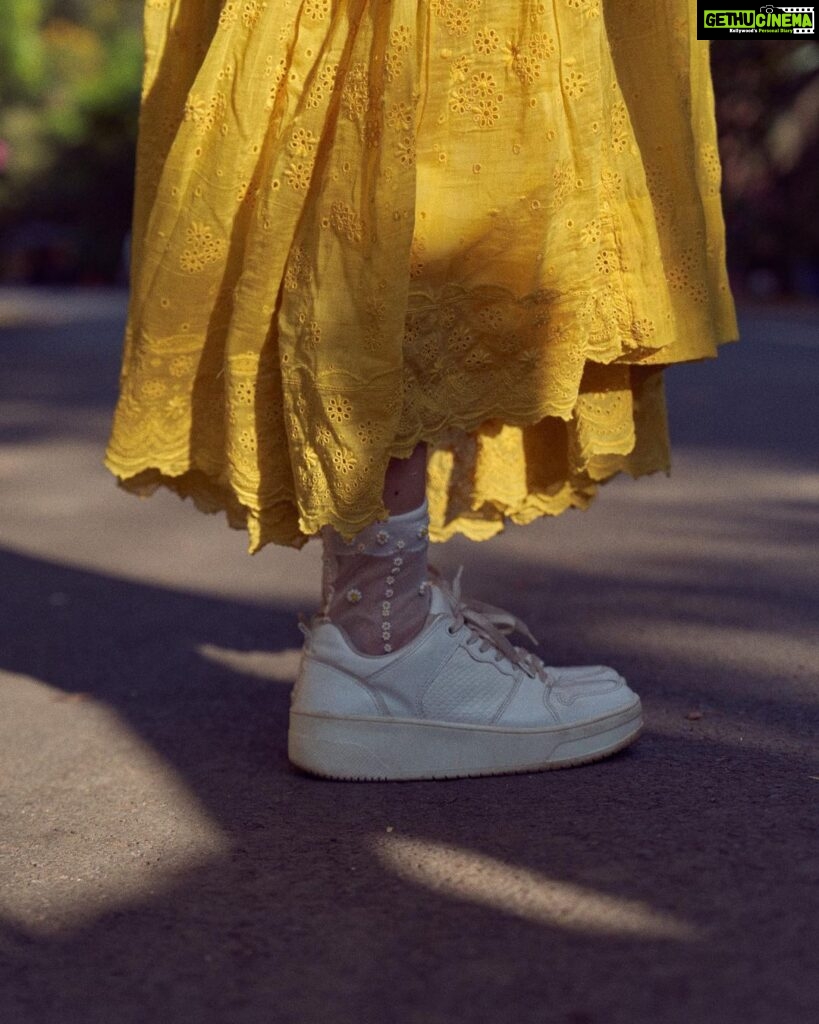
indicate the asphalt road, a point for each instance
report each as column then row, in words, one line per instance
column 161, row 863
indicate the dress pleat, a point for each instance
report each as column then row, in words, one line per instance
column 359, row 225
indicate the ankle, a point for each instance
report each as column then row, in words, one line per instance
column 363, row 636
column 376, row 587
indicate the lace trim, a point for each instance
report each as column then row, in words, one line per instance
column 480, row 476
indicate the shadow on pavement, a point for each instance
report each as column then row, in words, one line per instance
column 671, row 884
column 664, row 884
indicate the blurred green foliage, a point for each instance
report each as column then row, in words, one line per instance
column 70, row 76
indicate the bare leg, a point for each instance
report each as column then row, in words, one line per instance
column 405, row 483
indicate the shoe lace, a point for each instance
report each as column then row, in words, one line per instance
column 490, row 626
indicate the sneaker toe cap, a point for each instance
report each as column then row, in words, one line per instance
column 588, row 690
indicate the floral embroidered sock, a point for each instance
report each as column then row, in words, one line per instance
column 375, row 586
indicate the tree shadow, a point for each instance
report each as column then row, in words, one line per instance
column 306, row 916
column 313, row 911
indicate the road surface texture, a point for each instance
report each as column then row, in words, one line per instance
column 161, row 862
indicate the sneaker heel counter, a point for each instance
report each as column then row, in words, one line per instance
column 324, row 689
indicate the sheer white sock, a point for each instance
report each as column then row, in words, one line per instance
column 375, row 587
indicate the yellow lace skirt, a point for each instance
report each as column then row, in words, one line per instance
column 483, row 224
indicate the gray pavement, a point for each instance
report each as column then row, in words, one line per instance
column 161, row 862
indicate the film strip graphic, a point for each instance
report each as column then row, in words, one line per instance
column 798, row 10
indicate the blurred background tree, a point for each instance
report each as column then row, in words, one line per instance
column 70, row 75
column 767, row 100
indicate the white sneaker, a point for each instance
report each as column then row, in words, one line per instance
column 458, row 700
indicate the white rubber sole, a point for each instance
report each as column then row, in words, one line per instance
column 377, row 749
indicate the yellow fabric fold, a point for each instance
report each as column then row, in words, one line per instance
column 485, row 225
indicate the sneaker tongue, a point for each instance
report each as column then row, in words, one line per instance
column 440, row 601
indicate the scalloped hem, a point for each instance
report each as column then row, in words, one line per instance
column 282, row 525
column 273, row 524
column 491, row 505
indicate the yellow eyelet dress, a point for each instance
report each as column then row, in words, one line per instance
column 360, row 224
